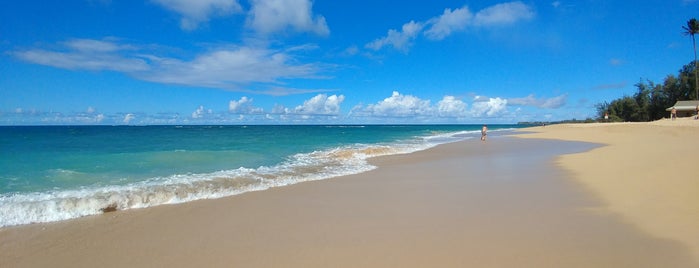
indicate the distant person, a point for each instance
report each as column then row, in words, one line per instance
column 673, row 113
column 696, row 113
column 606, row 117
column 484, row 132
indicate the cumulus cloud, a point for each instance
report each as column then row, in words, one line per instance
column 450, row 106
column 400, row 40
column 280, row 109
column 502, row 14
column 531, row 100
column 321, row 104
column 243, row 106
column 404, row 106
column 397, row 105
column 451, row 21
column 273, row 16
column 81, row 118
column 264, row 17
column 490, row 107
column 90, row 116
column 196, row 12
column 128, row 118
column 200, row 112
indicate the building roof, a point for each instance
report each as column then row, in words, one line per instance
column 685, row 105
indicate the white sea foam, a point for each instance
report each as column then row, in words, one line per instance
column 25, row 208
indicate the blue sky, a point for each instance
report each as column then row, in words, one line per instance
column 330, row 62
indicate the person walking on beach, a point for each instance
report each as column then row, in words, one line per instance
column 484, row 132
column 673, row 113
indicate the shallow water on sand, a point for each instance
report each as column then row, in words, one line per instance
column 51, row 173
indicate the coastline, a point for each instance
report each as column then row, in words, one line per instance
column 646, row 172
column 501, row 203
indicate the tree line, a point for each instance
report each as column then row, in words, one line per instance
column 651, row 99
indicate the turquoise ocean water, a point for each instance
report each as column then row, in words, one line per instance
column 52, row 173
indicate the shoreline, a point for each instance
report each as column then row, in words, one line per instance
column 54, row 201
column 502, row 203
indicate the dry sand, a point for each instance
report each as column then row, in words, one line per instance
column 502, row 203
column 648, row 173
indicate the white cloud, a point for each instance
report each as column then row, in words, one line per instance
column 198, row 113
column 400, row 40
column 273, row 16
column 396, row 106
column 280, row 109
column 81, row 118
column 550, row 103
column 230, row 68
column 555, row 102
column 448, row 22
column 87, row 54
column 479, row 98
column 128, row 118
column 450, row 106
column 492, row 107
column 438, row 28
column 243, row 106
column 321, row 104
column 92, row 45
column 201, row 112
column 196, row 12
column 505, row 13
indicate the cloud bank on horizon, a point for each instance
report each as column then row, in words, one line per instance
column 275, row 60
column 322, row 108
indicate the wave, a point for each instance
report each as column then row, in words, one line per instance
column 49, row 206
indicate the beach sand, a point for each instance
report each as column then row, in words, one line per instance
column 647, row 173
column 507, row 202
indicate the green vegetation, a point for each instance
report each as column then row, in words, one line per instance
column 691, row 29
column 651, row 100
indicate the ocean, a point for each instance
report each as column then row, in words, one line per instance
column 53, row 173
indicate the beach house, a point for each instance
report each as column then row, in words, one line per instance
column 685, row 108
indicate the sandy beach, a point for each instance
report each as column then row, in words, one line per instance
column 647, row 173
column 598, row 195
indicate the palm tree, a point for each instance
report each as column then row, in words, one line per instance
column 691, row 29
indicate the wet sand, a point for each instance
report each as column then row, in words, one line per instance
column 502, row 203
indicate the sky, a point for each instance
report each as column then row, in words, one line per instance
column 153, row 62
